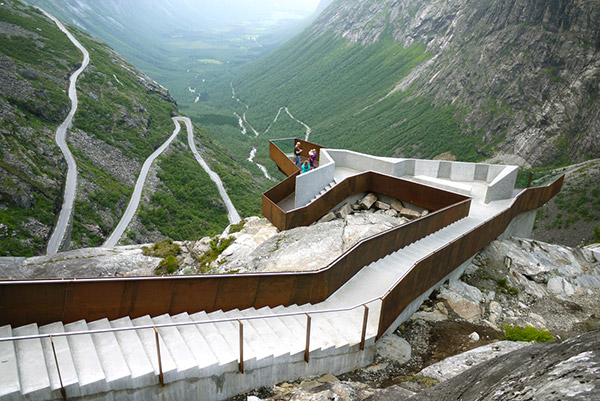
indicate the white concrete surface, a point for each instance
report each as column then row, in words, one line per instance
column 11, row 386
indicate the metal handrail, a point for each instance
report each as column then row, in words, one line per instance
column 176, row 324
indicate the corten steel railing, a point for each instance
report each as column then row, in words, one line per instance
column 434, row 267
column 422, row 274
column 425, row 273
column 67, row 300
column 421, row 195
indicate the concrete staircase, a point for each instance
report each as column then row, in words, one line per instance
column 327, row 188
column 201, row 361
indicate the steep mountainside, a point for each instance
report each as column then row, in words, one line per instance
column 123, row 116
column 420, row 78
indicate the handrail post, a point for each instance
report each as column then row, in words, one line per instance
column 241, row 346
column 63, row 392
column 160, row 371
column 530, row 179
column 306, row 350
column 364, row 328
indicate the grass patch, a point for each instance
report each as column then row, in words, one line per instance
column 505, row 288
column 168, row 265
column 529, row 334
column 167, row 250
column 217, row 246
column 234, row 228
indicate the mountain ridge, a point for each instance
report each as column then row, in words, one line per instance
column 520, row 77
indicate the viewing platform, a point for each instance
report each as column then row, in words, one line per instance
column 211, row 337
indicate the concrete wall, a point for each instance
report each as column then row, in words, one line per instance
column 462, row 171
column 503, row 184
column 308, row 185
column 361, row 162
column 521, row 226
column 404, row 168
column 226, row 385
column 428, row 168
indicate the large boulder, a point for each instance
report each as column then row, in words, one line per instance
column 549, row 371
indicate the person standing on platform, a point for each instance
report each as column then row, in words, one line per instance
column 297, row 152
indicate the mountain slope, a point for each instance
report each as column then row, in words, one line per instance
column 513, row 77
column 123, row 116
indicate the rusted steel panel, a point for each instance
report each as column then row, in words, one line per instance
column 152, row 297
column 274, row 290
column 434, row 268
column 284, row 163
column 310, row 287
column 237, row 291
column 194, row 295
column 307, row 146
column 26, row 303
column 93, row 299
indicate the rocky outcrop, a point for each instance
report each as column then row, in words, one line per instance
column 86, row 262
column 567, row 371
column 259, row 247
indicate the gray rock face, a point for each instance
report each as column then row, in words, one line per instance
column 455, row 365
column 553, row 371
column 86, row 262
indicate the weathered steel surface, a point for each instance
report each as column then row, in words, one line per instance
column 46, row 301
column 287, row 166
column 429, row 271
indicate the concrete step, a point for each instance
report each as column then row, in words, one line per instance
column 349, row 323
column 410, row 254
column 148, row 339
column 297, row 324
column 9, row 371
column 111, row 357
column 293, row 341
column 322, row 343
column 33, row 375
column 278, row 348
column 68, row 374
column 187, row 366
column 198, row 346
column 426, row 245
column 227, row 355
column 337, row 334
column 381, row 271
column 92, row 379
column 256, row 353
column 141, row 370
column 297, row 328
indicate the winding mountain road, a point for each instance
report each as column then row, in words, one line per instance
column 242, row 122
column 232, row 213
column 137, row 192
column 134, row 202
column 61, row 140
column 66, row 211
